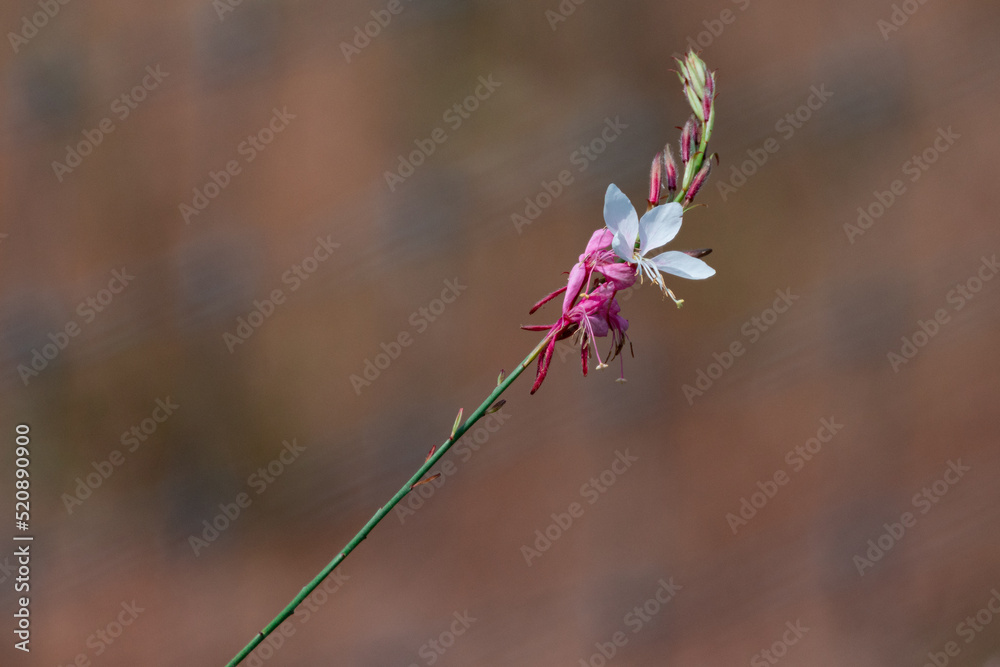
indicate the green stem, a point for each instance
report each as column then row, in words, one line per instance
column 385, row 509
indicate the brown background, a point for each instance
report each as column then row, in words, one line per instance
column 323, row 176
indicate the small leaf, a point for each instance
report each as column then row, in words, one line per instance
column 424, row 481
column 496, row 406
column 458, row 421
column 501, row 377
column 431, row 453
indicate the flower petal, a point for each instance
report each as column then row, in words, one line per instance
column 600, row 240
column 577, row 275
column 621, row 275
column 621, row 219
column 543, row 365
column 683, row 265
column 659, row 226
column 546, row 299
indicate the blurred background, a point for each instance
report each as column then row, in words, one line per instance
column 255, row 255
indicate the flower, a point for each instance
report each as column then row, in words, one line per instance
column 656, row 228
column 594, row 316
column 599, row 258
column 588, row 313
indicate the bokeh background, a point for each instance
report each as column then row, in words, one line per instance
column 566, row 72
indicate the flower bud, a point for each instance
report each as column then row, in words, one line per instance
column 710, row 93
column 699, row 84
column 669, row 170
column 689, row 140
column 655, row 179
column 695, row 70
column 697, row 182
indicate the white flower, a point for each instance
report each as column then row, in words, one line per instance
column 657, row 228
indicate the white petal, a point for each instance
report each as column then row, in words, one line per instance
column 659, row 226
column 621, row 219
column 683, row 265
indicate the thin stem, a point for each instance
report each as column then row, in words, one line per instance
column 385, row 509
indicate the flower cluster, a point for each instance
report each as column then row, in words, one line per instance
column 623, row 251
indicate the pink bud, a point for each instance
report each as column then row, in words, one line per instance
column 697, row 182
column 689, row 140
column 669, row 169
column 686, row 133
column 655, row 179
column 708, row 100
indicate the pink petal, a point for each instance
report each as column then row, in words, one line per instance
column 547, row 299
column 621, row 275
column 600, row 240
column 543, row 365
column 576, row 278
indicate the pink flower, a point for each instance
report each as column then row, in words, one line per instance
column 597, row 258
column 596, row 313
